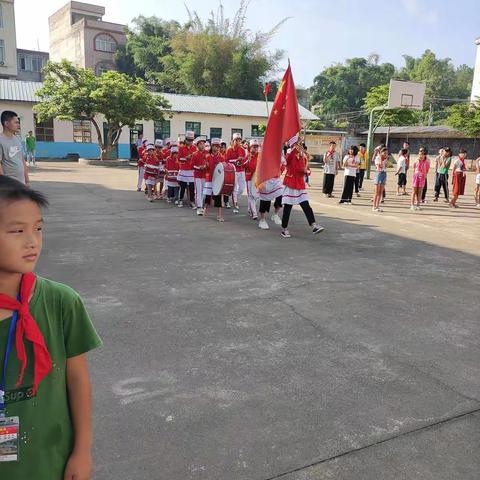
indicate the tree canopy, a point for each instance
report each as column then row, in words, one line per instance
column 465, row 118
column 72, row 93
column 217, row 56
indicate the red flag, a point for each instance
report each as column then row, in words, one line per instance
column 283, row 124
column 266, row 89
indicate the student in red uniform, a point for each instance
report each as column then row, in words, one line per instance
column 213, row 160
column 171, row 174
column 250, row 167
column 294, row 192
column 161, row 168
column 46, row 391
column 200, row 165
column 151, row 171
column 223, row 153
column 141, row 164
column 185, row 172
column 237, row 156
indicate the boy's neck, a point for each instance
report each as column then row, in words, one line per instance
column 10, row 283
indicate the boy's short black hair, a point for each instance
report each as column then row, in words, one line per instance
column 383, row 149
column 362, row 145
column 404, row 151
column 7, row 115
column 332, row 143
column 462, row 150
column 13, row 190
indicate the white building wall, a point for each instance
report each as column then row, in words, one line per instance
column 8, row 35
column 476, row 76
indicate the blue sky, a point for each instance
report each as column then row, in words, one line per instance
column 319, row 33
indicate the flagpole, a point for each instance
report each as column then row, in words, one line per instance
column 266, row 104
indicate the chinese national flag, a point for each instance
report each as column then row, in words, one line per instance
column 283, row 124
column 266, row 89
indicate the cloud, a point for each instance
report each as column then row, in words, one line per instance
column 416, row 9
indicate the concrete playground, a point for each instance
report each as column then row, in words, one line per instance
column 232, row 353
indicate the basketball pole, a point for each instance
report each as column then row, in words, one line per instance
column 371, row 131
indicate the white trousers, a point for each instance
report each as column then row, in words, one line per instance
column 252, row 195
column 141, row 173
column 199, row 197
column 240, row 185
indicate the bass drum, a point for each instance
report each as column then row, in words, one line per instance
column 223, row 181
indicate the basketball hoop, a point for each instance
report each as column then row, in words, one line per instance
column 407, row 95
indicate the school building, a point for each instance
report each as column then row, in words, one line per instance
column 207, row 116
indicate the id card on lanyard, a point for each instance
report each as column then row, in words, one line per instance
column 9, row 426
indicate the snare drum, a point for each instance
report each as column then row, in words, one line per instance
column 223, row 181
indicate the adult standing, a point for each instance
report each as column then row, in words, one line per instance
column 350, row 165
column 363, row 157
column 330, row 168
column 12, row 162
column 459, row 177
column 31, row 144
column 443, row 166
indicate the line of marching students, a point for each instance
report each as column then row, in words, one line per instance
column 182, row 173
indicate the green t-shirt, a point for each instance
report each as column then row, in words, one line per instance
column 30, row 142
column 46, row 430
column 445, row 165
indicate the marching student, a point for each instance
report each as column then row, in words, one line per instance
column 250, row 168
column 213, row 160
column 200, row 165
column 161, row 167
column 237, row 156
column 350, row 166
column 381, row 161
column 402, row 172
column 331, row 164
column 185, row 172
column 363, row 157
column 477, row 182
column 459, row 177
column 141, row 164
column 151, row 172
column 171, row 174
column 443, row 166
column 420, row 171
column 272, row 189
column 223, row 153
column 294, row 192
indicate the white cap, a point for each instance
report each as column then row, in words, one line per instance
column 216, row 141
column 293, row 141
column 174, row 149
column 254, row 142
column 167, row 141
column 236, row 135
column 189, row 135
column 198, row 140
column 158, row 143
column 150, row 146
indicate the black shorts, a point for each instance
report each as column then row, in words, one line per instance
column 402, row 179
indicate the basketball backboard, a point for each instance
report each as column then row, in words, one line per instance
column 406, row 95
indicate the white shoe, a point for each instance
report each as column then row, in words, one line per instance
column 263, row 225
column 227, row 205
column 276, row 219
column 199, row 211
column 254, row 217
column 180, row 204
column 235, row 210
column 285, row 234
column 176, row 202
column 317, row 228
column 412, row 208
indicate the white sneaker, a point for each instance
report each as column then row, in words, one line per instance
column 276, row 219
column 285, row 234
column 412, row 208
column 235, row 210
column 180, row 204
column 263, row 225
column 199, row 211
column 176, row 202
column 227, row 205
column 317, row 228
column 254, row 217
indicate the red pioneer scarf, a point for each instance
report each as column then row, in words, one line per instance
column 28, row 328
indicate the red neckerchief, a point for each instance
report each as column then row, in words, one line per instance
column 28, row 328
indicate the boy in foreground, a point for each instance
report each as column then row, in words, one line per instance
column 45, row 332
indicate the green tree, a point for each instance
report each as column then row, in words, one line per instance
column 465, row 117
column 343, row 87
column 378, row 96
column 72, row 93
column 217, row 56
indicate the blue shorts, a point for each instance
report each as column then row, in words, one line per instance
column 380, row 178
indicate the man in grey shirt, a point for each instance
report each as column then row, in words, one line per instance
column 12, row 162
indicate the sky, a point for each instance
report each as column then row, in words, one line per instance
column 318, row 34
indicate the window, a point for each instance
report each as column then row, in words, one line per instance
column 105, row 43
column 103, row 67
column 237, row 130
column 161, row 129
column 30, row 63
column 256, row 131
column 43, row 130
column 193, row 126
column 82, row 131
column 2, row 52
column 215, row 132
